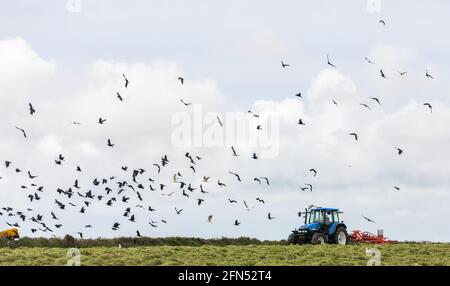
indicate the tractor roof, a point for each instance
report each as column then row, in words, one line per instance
column 324, row 209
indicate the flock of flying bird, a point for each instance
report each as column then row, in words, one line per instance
column 102, row 191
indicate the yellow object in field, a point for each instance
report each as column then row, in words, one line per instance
column 9, row 233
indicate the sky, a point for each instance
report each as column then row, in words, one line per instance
column 68, row 58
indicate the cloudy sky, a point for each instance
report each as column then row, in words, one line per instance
column 68, row 61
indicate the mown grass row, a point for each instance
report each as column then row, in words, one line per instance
column 133, row 242
column 234, row 255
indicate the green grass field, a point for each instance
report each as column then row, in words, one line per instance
column 251, row 255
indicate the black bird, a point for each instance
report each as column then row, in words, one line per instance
column 283, row 65
column 397, row 188
column 382, row 74
column 78, row 169
column 254, row 156
column 369, row 61
column 300, row 122
column 232, row 201
column 376, row 99
column 31, row 176
column 234, row 151
column 23, row 131
column 314, row 171
column 236, row 223
column 110, row 144
column 221, row 184
column 402, row 73
column 354, row 135
column 220, row 121
column 329, row 63
column 428, row 75
column 101, row 120
column 257, row 180
column 260, row 200
column 138, row 234
column 119, row 96
column 368, row 219
column 31, row 108
column 178, row 211
column 270, row 217
column 254, row 114
column 365, row 105
column 266, row 179
column 126, row 81
column 200, row 201
column 185, row 103
column 7, row 163
column 181, row 79
column 429, row 106
column 382, row 22
column 400, row 151
column 299, row 95
column 237, row 176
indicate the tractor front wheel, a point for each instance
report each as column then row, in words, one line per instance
column 318, row 238
column 292, row 239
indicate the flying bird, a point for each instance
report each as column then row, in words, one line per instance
column 300, row 122
column 354, row 135
column 234, row 151
column 31, row 108
column 382, row 74
column 283, row 65
column 314, row 171
column 185, row 103
column 23, row 131
column 210, row 218
column 181, row 79
column 237, row 176
column 369, row 61
column 428, row 75
column 126, row 81
column 365, row 105
column 119, row 96
column 270, row 217
column 101, row 120
column 400, row 151
column 429, row 106
column 368, row 219
column 110, row 144
column 329, row 63
column 382, row 22
column 402, row 73
column 376, row 99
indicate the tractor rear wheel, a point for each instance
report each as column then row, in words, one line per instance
column 292, row 239
column 341, row 235
column 318, row 238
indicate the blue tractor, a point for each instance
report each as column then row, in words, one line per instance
column 322, row 225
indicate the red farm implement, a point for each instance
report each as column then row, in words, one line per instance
column 359, row 236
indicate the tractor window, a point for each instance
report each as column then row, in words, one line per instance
column 315, row 216
column 335, row 216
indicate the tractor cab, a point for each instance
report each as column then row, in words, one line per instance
column 321, row 225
